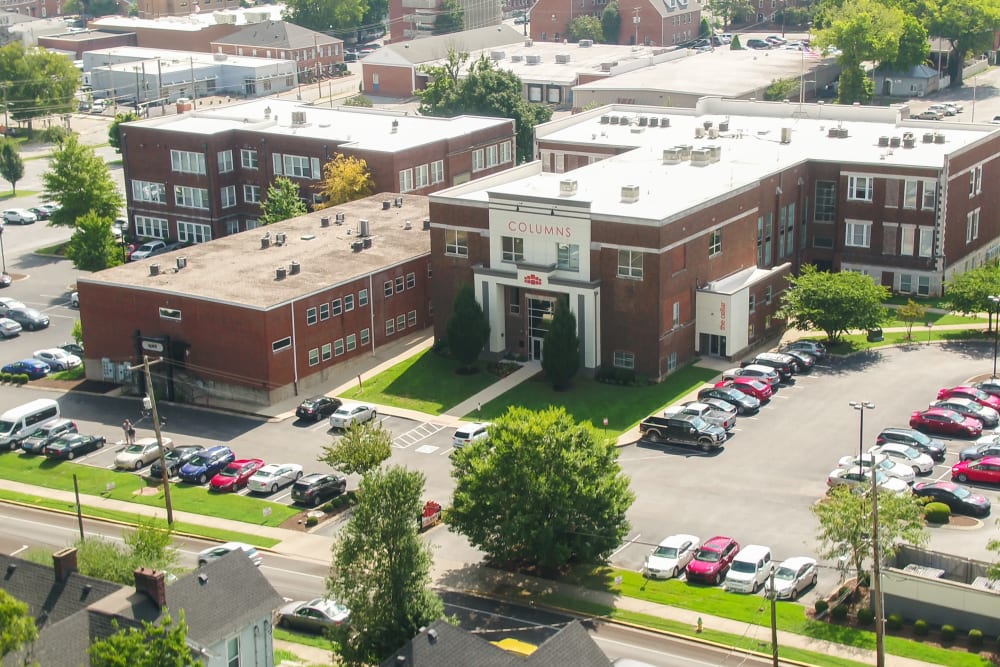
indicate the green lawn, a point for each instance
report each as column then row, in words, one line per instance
column 20, row 193
column 72, row 374
column 316, row 641
column 926, row 302
column 858, row 342
column 938, row 319
column 50, row 474
column 592, row 401
column 426, row 382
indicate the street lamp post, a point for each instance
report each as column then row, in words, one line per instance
column 122, row 226
column 995, row 300
column 861, row 406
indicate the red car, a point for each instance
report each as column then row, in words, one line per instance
column 235, row 475
column 984, row 470
column 972, row 393
column 762, row 391
column 712, row 561
column 946, row 422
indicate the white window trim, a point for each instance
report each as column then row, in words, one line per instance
column 849, row 237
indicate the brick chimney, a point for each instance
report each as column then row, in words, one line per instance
column 153, row 584
column 64, row 563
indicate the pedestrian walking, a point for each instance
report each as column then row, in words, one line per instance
column 129, row 430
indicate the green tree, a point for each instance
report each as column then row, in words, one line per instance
column 467, row 329
column 37, row 82
column 910, row 313
column 92, row 246
column 726, row 10
column 79, row 181
column 994, row 572
column 968, row 25
column 345, row 178
column 585, row 27
column 114, row 136
column 146, row 546
column 969, row 293
column 451, row 18
column 561, row 357
column 16, row 627
column 914, row 45
column 781, row 89
column 11, row 164
column 833, row 302
column 381, row 568
column 152, row 645
column 376, row 11
column 77, row 332
column 361, row 449
column 282, row 202
column 735, row 45
column 611, row 23
column 845, row 524
column 359, row 101
column 704, row 28
column 337, row 16
column 541, row 491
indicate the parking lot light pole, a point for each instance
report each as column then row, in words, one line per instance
column 861, row 406
column 995, row 300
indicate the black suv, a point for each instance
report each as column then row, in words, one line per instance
column 784, row 364
column 690, row 430
column 932, row 447
column 175, row 458
column 316, row 488
column 317, row 407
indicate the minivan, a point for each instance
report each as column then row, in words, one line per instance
column 18, row 423
column 750, row 569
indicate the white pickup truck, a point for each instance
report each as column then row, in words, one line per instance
column 725, row 419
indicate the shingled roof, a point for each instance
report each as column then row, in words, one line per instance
column 277, row 35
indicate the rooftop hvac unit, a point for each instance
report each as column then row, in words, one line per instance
column 586, row 43
column 928, row 137
column 700, row 157
column 894, row 142
column 715, row 151
column 219, row 57
column 280, row 238
column 398, row 202
column 182, row 262
column 643, row 121
column 516, row 58
column 386, row 204
column 606, row 67
column 567, row 187
column 298, row 118
column 497, row 55
column 339, row 218
column 605, row 119
column 653, row 121
column 664, row 122
column 630, row 194
column 939, row 137
column 636, row 129
column 713, row 133
column 356, row 246
column 367, row 242
column 613, row 120
column 671, row 155
column 533, row 60
column 427, row 224
column 224, row 18
column 699, row 132
column 685, row 150
column 362, row 228
column 909, row 141
column 528, row 42
column 723, row 126
column 707, row 124
column 265, row 242
column 324, row 221
column 884, row 140
column 280, row 273
column 294, row 268
column 154, row 269
column 562, row 58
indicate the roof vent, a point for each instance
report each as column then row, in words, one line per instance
column 928, row 137
column 339, row 218
column 367, row 242
column 654, row 121
column 407, row 225
column 324, row 221
column 643, row 121
column 605, row 119
column 939, row 137
column 395, row 126
column 586, row 43
column 707, row 124
column 356, row 246
column 294, row 268
column 613, row 120
column 685, row 150
column 699, row 133
column 630, row 194
column 280, row 273
column 298, row 118
column 398, row 202
column 562, row 58
column 664, row 121
column 154, row 269
column 723, row 126
column 713, row 133
column 265, row 241
column 909, row 141
column 182, row 262
column 528, row 42
column 895, row 141
column 280, row 238
column 884, row 140
column 786, row 135
column 567, row 187
column 533, row 60
column 386, row 204
column 497, row 55
column 363, row 228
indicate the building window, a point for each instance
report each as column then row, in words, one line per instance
column 233, row 652
column 399, row 285
column 363, row 298
column 352, row 342
column 327, row 351
column 390, row 327
column 826, row 201
column 421, row 176
column 186, row 162
column 976, row 180
column 190, row 232
column 324, row 312
column 624, row 359
column 405, row 180
column 364, row 336
column 909, row 194
column 337, row 307
column 248, row 158
column 411, row 318
column 767, row 295
column 456, row 243
column 629, row 264
column 229, row 196
column 506, row 155
column 251, row 194
column 411, row 280
column 568, row 256
column 170, row 314
column 311, row 316
column 715, row 243
column 677, row 313
column 905, row 283
column 478, row 160
column 349, row 303
column 930, row 196
column 225, row 162
column 492, row 156
column 281, row 344
column 314, row 356
column 191, row 197
column 513, row 248
column 752, row 303
column 387, row 288
column 296, row 166
column 147, row 191
column 822, row 242
column 437, row 171
column 155, row 228
column 338, row 347
column 514, row 306
column 892, row 193
column 971, row 226
column 907, row 236
column 400, row 322
column 858, row 234
column 924, row 285
column 859, row 188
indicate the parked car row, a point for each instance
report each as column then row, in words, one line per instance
column 29, row 318
column 341, row 415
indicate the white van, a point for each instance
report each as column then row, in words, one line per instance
column 750, row 569
column 18, row 423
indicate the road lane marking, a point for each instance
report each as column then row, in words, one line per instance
column 417, row 434
column 627, row 544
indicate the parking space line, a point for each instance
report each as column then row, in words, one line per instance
column 416, row 434
column 447, row 451
column 321, row 424
column 281, row 497
column 626, row 544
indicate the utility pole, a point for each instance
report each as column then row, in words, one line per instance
column 151, row 399
column 877, row 579
column 635, row 22
column 774, row 620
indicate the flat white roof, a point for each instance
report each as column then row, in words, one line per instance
column 365, row 129
column 174, row 60
column 751, row 148
column 193, row 22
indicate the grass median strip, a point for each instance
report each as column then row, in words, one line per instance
column 40, row 471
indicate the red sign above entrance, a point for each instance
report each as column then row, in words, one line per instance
column 532, row 279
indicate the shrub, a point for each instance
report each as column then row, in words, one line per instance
column 947, row 633
column 4, row 377
column 975, row 638
column 52, row 135
column 839, row 613
column 920, row 628
column 937, row 513
column 312, row 520
column 822, row 606
column 865, row 616
column 865, row 580
column 21, row 379
column 894, row 622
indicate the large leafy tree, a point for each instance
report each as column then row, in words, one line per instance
column 114, row 136
column 845, row 524
column 361, row 449
column 833, row 302
column 325, row 16
column 968, row 25
column 282, row 202
column 585, row 27
column 79, row 181
column 485, row 90
column 11, row 164
column 970, row 292
column 611, row 23
column 37, row 82
column 542, row 491
column 345, row 179
column 92, row 246
column 561, row 356
column 381, row 568
column 467, row 329
column 726, row 10
column 16, row 627
column 450, row 18
column 152, row 645
column 146, row 546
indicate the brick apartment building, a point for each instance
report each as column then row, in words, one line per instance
column 316, row 55
column 410, row 19
column 202, row 175
column 257, row 317
column 649, row 22
column 671, row 232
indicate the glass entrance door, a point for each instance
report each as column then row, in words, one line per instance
column 540, row 311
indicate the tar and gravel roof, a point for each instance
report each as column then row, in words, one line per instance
column 236, row 269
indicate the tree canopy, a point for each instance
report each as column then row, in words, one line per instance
column 152, row 645
column 911, row 313
column 585, row 27
column 541, row 491
column 146, row 546
column 282, row 201
column 79, row 181
column 93, row 247
column 381, row 568
column 468, row 330
column 16, row 627
column 450, row 18
column 845, row 524
column 345, row 179
column 968, row 25
column 114, row 134
column 833, row 302
column 361, row 449
column 970, row 292
column 561, row 348
column 611, row 23
column 11, row 164
column 37, row 82
column 325, row 16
